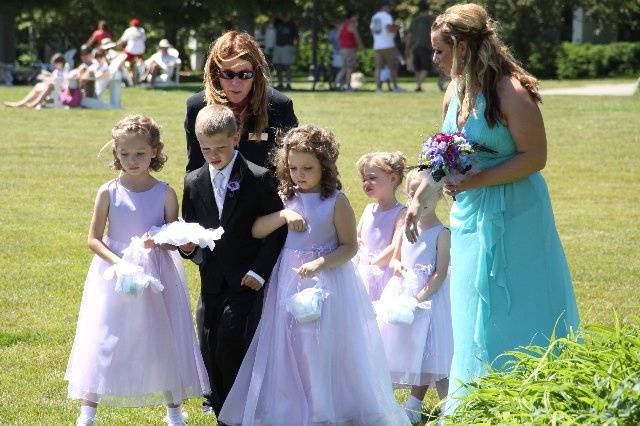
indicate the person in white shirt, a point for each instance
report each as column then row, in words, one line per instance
column 38, row 95
column 99, row 71
column 162, row 62
column 386, row 54
column 133, row 39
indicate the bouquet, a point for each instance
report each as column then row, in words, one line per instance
column 446, row 154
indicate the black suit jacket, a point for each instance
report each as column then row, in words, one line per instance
column 280, row 116
column 237, row 252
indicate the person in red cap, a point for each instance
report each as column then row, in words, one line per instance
column 133, row 39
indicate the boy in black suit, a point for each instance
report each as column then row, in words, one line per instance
column 231, row 192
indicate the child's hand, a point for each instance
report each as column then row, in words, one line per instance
column 188, row 248
column 423, row 294
column 251, row 282
column 309, row 269
column 295, row 221
column 397, row 267
column 148, row 241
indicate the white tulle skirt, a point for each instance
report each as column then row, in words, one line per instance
column 136, row 350
column 419, row 354
column 331, row 371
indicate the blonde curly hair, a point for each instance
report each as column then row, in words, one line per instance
column 485, row 62
column 314, row 140
column 389, row 162
column 138, row 126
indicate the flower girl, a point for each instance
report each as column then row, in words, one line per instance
column 133, row 346
column 381, row 221
column 419, row 352
column 317, row 357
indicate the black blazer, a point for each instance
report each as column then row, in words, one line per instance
column 280, row 119
column 236, row 252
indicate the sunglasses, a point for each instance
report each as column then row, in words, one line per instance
column 242, row 75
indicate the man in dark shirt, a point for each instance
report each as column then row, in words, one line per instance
column 418, row 43
column 284, row 53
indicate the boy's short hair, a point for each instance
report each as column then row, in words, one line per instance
column 214, row 119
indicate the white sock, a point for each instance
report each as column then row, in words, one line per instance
column 413, row 403
column 87, row 411
column 174, row 413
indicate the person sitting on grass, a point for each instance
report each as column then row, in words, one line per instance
column 38, row 95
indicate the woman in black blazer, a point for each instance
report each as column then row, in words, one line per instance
column 236, row 75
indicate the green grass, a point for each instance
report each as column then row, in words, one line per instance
column 49, row 172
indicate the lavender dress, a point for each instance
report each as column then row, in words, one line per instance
column 419, row 354
column 376, row 233
column 331, row 371
column 128, row 350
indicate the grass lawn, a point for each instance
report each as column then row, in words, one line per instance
column 50, row 171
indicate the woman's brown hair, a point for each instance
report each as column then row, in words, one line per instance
column 485, row 62
column 239, row 45
column 313, row 140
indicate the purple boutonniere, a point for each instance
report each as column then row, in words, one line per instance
column 232, row 186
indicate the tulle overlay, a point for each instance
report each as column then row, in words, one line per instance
column 331, row 371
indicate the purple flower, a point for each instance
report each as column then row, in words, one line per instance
column 233, row 185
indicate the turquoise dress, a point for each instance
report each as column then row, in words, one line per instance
column 510, row 282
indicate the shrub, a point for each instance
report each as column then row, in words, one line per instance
column 542, row 60
column 584, row 60
column 592, row 379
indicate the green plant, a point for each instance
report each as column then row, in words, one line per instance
column 587, row 379
column 584, row 60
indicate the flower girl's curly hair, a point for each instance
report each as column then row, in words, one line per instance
column 313, row 140
column 133, row 126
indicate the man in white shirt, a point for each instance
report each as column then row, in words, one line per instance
column 384, row 32
column 163, row 62
column 133, row 39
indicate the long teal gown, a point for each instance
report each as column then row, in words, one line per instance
column 510, row 282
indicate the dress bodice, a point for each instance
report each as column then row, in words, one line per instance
column 377, row 227
column 133, row 213
column 476, row 129
column 422, row 253
column 321, row 232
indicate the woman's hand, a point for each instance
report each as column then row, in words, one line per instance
column 309, row 269
column 455, row 184
column 295, row 221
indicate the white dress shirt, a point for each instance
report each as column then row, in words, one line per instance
column 220, row 192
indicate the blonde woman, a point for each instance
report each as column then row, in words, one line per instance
column 510, row 282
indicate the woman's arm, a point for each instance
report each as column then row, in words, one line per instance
column 345, row 223
column 98, row 224
column 525, row 123
column 265, row 225
column 442, row 267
